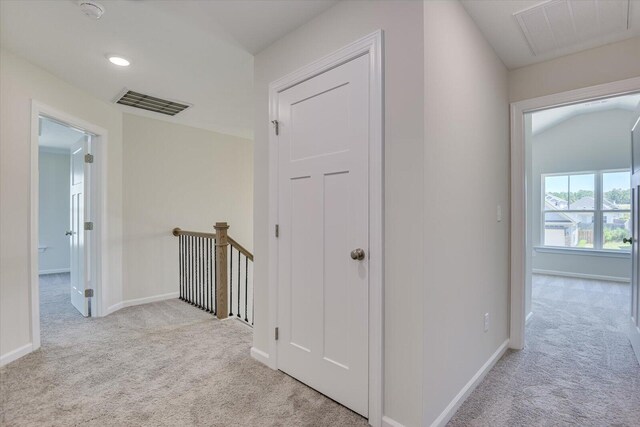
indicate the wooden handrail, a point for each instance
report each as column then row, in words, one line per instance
column 244, row 251
column 179, row 232
column 222, row 241
column 240, row 248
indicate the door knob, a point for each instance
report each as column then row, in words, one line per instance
column 629, row 240
column 69, row 233
column 357, row 254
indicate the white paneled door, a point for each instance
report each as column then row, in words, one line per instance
column 323, row 244
column 634, row 330
column 79, row 211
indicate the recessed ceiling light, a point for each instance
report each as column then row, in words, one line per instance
column 118, row 60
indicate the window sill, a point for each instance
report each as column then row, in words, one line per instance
column 587, row 252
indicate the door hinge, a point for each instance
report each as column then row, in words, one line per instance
column 88, row 158
column 88, row 293
column 88, row 226
column 277, row 230
column 276, row 126
column 277, row 334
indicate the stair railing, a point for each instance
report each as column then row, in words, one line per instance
column 213, row 269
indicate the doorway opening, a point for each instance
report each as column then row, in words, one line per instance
column 64, row 253
column 67, row 208
column 579, row 250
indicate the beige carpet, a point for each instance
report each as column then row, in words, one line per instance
column 160, row 364
column 577, row 369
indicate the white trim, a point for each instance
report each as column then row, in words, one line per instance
column 139, row 301
column 390, row 422
column 260, row 356
column 147, row 300
column 54, row 271
column 113, row 308
column 462, row 395
column 583, row 252
column 372, row 44
column 634, row 337
column 99, row 189
column 528, row 318
column 16, row 354
column 582, row 275
column 518, row 186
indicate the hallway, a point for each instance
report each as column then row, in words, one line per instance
column 164, row 363
column 578, row 367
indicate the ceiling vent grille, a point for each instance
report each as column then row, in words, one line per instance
column 557, row 24
column 151, row 103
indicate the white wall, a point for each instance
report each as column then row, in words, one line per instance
column 173, row 176
column 20, row 82
column 178, row 176
column 609, row 63
column 342, row 24
column 595, row 141
column 446, row 151
column 54, row 211
column 466, row 158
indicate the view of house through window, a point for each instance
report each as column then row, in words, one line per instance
column 590, row 210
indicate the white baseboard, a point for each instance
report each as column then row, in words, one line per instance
column 147, row 300
column 140, row 301
column 16, row 354
column 114, row 308
column 529, row 316
column 260, row 356
column 634, row 337
column 54, row 271
column 457, row 401
column 390, row 422
column 581, row 275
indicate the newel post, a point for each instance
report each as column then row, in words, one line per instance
column 222, row 278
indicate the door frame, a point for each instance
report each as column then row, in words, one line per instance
column 371, row 44
column 98, row 208
column 519, row 187
column 634, row 326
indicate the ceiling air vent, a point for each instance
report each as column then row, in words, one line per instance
column 558, row 24
column 151, row 103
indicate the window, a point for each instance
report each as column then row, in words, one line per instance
column 616, row 210
column 590, row 210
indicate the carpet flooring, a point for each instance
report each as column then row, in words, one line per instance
column 159, row 364
column 577, row 369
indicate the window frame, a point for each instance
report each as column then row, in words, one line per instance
column 605, row 211
column 598, row 212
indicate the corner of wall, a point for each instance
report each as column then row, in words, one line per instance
column 462, row 67
column 448, row 413
column 13, row 355
column 262, row 357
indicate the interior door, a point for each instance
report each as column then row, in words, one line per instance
column 634, row 330
column 323, row 199
column 79, row 211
